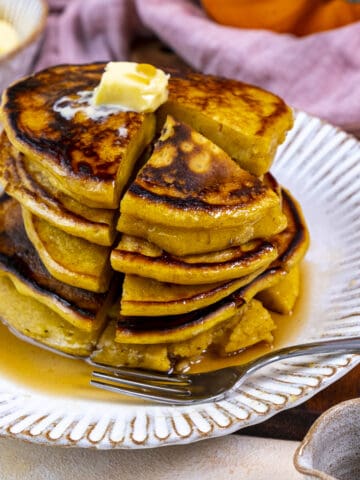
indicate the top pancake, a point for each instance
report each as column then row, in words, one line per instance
column 46, row 117
column 92, row 150
column 190, row 182
column 244, row 120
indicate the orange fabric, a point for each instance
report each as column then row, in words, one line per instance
column 301, row 17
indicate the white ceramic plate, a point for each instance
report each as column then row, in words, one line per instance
column 321, row 167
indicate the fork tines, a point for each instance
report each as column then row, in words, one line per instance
column 144, row 384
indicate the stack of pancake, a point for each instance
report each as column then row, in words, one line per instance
column 178, row 201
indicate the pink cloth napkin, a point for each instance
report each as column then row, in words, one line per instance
column 318, row 73
column 81, row 31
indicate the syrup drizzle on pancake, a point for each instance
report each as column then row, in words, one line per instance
column 68, row 107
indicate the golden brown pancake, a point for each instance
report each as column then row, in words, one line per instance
column 69, row 259
column 31, row 319
column 92, row 157
column 35, row 190
column 137, row 256
column 190, row 184
column 146, row 330
column 145, row 296
column 245, row 121
column 190, row 241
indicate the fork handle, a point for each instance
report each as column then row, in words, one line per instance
column 340, row 346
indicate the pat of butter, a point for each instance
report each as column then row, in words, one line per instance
column 138, row 87
column 9, row 38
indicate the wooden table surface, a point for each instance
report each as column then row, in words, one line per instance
column 289, row 424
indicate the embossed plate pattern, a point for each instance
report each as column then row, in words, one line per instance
column 320, row 165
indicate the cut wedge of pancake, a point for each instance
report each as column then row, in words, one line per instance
column 245, row 121
column 191, row 185
column 136, row 256
column 254, row 325
column 20, row 263
column 34, row 189
column 292, row 244
column 189, row 182
column 281, row 298
column 145, row 296
column 69, row 259
column 174, row 328
column 91, row 151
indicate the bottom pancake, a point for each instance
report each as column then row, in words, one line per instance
column 38, row 322
column 251, row 324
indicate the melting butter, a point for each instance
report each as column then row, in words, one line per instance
column 9, row 38
column 138, row 87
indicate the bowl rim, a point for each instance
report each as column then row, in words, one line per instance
column 328, row 414
column 36, row 33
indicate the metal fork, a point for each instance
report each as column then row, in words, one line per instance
column 188, row 389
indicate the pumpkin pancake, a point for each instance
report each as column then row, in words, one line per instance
column 34, row 189
column 20, row 263
column 90, row 150
column 281, row 298
column 107, row 352
column 137, row 256
column 32, row 319
column 145, row 296
column 191, row 184
column 292, row 245
column 245, row 121
column 192, row 241
column 70, row 259
column 174, row 328
column 293, row 242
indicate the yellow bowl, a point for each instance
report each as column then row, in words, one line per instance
column 28, row 17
